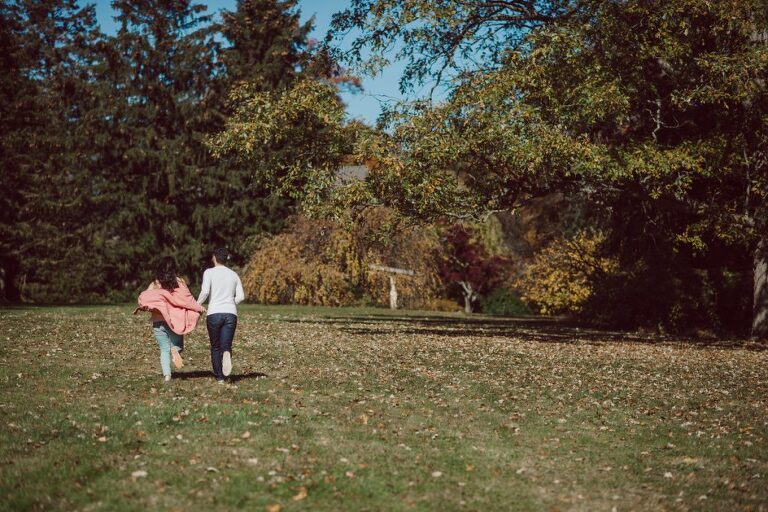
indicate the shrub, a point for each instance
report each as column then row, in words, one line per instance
column 447, row 305
column 504, row 302
column 561, row 277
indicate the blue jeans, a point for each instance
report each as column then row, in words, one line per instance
column 221, row 331
column 166, row 339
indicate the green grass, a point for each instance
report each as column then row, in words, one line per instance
column 367, row 409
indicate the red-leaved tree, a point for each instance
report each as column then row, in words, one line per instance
column 468, row 265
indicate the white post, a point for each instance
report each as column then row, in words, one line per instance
column 392, row 287
column 392, row 293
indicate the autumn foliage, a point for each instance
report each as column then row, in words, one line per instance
column 561, row 277
column 466, row 265
column 325, row 262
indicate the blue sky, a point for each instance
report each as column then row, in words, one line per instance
column 365, row 105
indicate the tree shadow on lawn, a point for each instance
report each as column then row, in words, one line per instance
column 200, row 374
column 538, row 329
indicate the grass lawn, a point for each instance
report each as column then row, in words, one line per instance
column 353, row 409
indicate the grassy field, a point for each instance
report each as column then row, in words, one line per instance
column 352, row 409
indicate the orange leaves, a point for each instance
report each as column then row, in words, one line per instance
column 321, row 262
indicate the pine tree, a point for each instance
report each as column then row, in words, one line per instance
column 269, row 46
column 161, row 63
column 46, row 93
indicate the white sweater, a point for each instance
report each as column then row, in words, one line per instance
column 224, row 288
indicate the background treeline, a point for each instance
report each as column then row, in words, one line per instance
column 639, row 126
column 104, row 166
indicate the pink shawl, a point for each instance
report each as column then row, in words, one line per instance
column 179, row 309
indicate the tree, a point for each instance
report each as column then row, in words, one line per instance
column 561, row 278
column 159, row 70
column 439, row 39
column 654, row 111
column 326, row 262
column 268, row 46
column 292, row 141
column 468, row 264
column 47, row 94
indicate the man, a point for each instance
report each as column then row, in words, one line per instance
column 223, row 289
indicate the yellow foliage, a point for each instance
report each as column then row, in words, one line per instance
column 443, row 305
column 321, row 262
column 560, row 277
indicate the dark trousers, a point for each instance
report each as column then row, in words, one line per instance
column 221, row 331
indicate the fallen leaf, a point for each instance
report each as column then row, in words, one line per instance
column 245, row 435
column 301, row 494
column 274, row 508
column 139, row 474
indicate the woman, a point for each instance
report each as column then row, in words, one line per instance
column 224, row 290
column 174, row 313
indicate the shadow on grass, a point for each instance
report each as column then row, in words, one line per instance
column 537, row 329
column 200, row 374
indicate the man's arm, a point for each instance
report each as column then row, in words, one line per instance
column 205, row 290
column 239, row 293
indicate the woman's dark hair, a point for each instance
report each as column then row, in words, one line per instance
column 166, row 272
column 222, row 255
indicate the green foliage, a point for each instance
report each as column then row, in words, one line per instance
column 290, row 140
column 503, row 302
column 45, row 147
column 654, row 112
column 268, row 47
column 104, row 163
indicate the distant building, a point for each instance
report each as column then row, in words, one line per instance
column 348, row 173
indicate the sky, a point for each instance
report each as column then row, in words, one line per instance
column 365, row 105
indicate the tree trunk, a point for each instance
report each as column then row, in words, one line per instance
column 9, row 290
column 760, row 291
column 467, row 303
column 469, row 296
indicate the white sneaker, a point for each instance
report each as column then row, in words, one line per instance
column 167, row 378
column 226, row 364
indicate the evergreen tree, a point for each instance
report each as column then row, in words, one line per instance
column 151, row 164
column 269, row 47
column 46, row 94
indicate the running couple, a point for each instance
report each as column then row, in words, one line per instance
column 175, row 312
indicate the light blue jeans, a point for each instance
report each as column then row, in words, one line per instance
column 166, row 339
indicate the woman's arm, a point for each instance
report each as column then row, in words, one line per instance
column 239, row 293
column 205, row 290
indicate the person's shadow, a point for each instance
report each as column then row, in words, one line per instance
column 199, row 374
